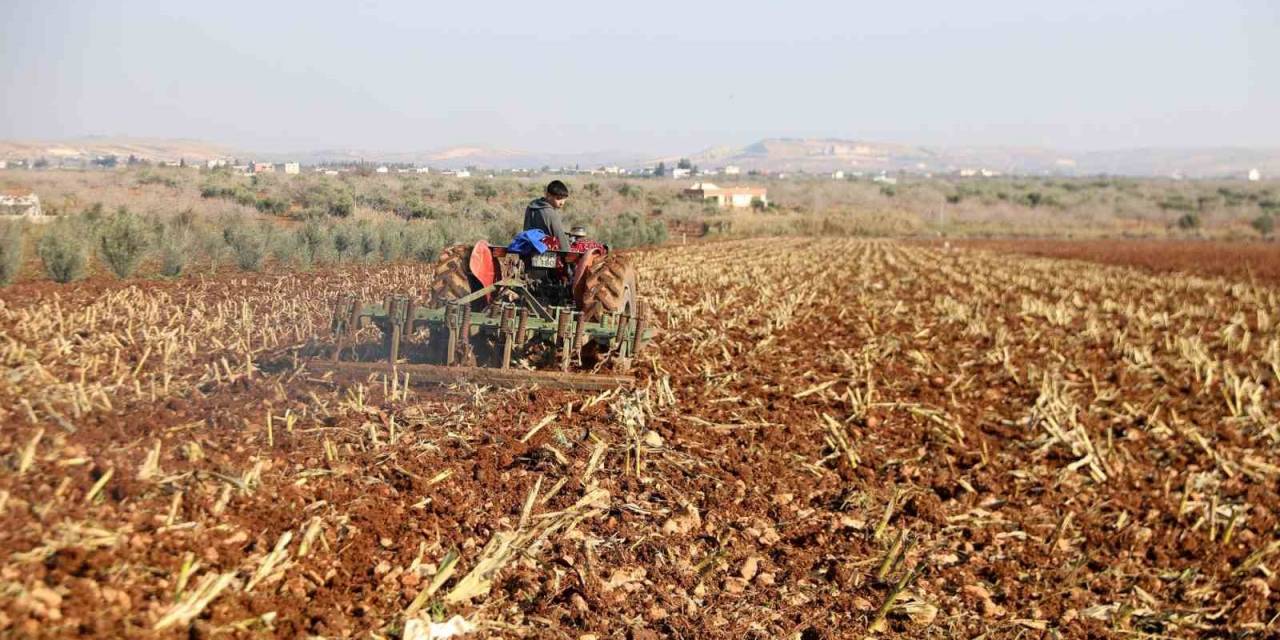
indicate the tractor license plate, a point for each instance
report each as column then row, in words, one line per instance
column 545, row 261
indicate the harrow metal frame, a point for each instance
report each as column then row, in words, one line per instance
column 512, row 324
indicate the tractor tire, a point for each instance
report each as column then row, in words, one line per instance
column 450, row 277
column 610, row 286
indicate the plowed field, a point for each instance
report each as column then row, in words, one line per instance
column 1244, row 261
column 828, row 438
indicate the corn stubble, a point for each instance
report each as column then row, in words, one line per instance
column 830, row 439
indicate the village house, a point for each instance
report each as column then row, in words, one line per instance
column 1254, row 175
column 262, row 167
column 292, row 168
column 680, row 174
column 20, row 203
column 732, row 170
column 736, row 197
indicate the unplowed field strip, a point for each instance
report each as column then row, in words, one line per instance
column 829, row 437
column 1245, row 261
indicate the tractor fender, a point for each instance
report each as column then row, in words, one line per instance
column 481, row 263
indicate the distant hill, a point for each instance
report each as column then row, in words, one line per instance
column 810, row 155
column 466, row 156
column 162, row 150
column 821, row 155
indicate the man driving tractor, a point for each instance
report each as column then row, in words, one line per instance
column 542, row 214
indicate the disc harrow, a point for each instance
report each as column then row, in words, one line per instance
column 503, row 333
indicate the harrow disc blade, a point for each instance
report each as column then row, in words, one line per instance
column 428, row 374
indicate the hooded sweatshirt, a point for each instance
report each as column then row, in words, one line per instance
column 544, row 217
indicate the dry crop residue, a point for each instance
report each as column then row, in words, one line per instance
column 1244, row 261
column 829, row 438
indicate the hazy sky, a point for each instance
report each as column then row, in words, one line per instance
column 649, row 76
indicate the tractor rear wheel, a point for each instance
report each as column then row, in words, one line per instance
column 609, row 287
column 450, row 277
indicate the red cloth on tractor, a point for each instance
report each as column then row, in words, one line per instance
column 582, row 245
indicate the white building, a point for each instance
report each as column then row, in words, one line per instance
column 4, row 164
column 292, row 168
column 732, row 171
column 423, row 170
column 380, row 170
column 679, row 174
column 736, row 197
column 837, row 175
column 884, row 179
column 1254, row 175
column 16, row 204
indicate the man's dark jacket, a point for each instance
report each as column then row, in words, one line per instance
column 541, row 215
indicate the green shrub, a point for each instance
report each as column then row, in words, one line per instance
column 342, row 205
column 63, row 251
column 392, row 240
column 94, row 214
column 343, row 241
column 327, row 199
column 123, row 242
column 313, row 242
column 11, row 241
column 1189, row 221
column 366, row 241
column 412, row 207
column 212, row 245
column 631, row 230
column 284, row 248
column 146, row 177
column 626, row 190
column 423, row 243
column 500, row 232
column 1232, row 197
column 248, row 245
column 1177, row 202
column 275, row 206
column 175, row 249
column 1264, row 224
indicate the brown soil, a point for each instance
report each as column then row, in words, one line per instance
column 1029, row 448
column 1256, row 261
